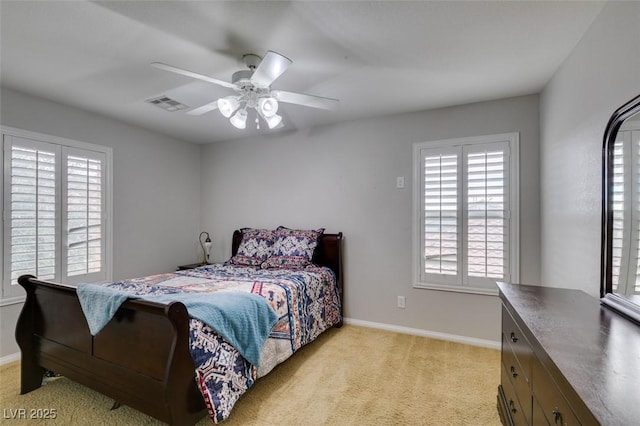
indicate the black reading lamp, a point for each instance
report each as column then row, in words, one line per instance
column 206, row 247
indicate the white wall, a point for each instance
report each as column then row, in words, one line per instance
column 601, row 74
column 343, row 177
column 156, row 189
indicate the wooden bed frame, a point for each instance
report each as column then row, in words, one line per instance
column 140, row 358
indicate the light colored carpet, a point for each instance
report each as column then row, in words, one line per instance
column 349, row 376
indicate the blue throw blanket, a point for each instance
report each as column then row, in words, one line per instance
column 242, row 319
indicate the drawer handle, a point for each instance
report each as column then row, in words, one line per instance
column 513, row 337
column 557, row 416
column 512, row 406
column 513, row 372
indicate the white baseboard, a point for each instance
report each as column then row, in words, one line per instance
column 10, row 358
column 425, row 333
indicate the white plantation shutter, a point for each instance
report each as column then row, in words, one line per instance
column 620, row 235
column 441, row 218
column 487, row 212
column 465, row 235
column 55, row 204
column 32, row 198
column 84, row 223
column 635, row 142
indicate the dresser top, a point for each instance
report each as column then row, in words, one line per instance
column 595, row 349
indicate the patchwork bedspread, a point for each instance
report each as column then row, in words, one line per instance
column 306, row 302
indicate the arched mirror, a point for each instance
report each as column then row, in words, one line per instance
column 620, row 288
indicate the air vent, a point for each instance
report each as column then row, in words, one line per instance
column 167, row 104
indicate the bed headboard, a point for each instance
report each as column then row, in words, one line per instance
column 328, row 252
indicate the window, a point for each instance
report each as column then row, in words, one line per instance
column 56, row 203
column 625, row 270
column 466, row 213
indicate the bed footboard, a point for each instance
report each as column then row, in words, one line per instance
column 140, row 358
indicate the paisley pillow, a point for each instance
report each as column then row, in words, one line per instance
column 293, row 248
column 255, row 247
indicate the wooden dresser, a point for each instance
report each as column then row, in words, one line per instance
column 566, row 360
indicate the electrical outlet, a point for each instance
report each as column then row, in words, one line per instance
column 400, row 182
column 401, row 302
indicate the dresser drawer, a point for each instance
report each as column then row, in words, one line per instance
column 516, row 412
column 517, row 343
column 515, row 373
column 552, row 403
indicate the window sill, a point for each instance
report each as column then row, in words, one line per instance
column 458, row 289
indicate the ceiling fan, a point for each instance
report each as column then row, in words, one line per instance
column 253, row 90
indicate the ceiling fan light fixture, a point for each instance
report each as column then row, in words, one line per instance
column 228, row 105
column 239, row 119
column 268, row 106
column 273, row 121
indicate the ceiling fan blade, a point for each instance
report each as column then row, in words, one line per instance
column 191, row 74
column 204, row 108
column 305, row 100
column 272, row 66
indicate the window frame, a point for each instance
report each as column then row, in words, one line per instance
column 446, row 145
column 9, row 294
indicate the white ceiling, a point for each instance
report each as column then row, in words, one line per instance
column 376, row 57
